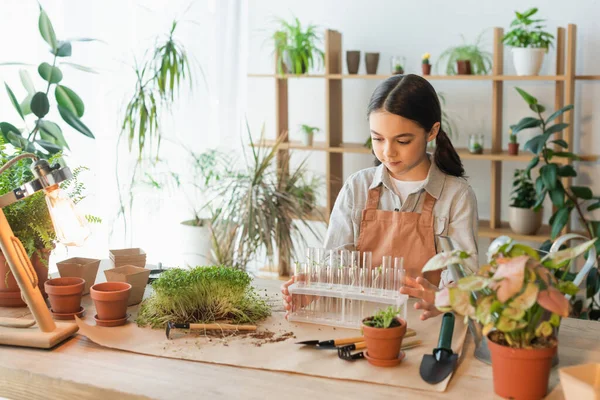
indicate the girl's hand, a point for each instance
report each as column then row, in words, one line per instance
column 287, row 298
column 422, row 289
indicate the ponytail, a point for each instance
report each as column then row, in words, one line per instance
column 445, row 156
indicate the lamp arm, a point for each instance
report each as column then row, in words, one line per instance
column 13, row 161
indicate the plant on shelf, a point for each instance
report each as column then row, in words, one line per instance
column 259, row 208
column 519, row 303
column 398, row 63
column 522, row 216
column 529, row 42
column 549, row 183
column 308, row 133
column 40, row 135
column 296, row 49
column 203, row 295
column 466, row 59
column 425, row 64
column 476, row 144
column 383, row 334
column 513, row 145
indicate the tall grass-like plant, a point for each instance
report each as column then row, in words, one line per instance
column 296, row 49
column 481, row 60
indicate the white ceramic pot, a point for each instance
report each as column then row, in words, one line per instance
column 525, row 221
column 195, row 244
column 527, row 61
column 307, row 139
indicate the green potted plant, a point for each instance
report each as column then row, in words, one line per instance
column 513, row 145
column 398, row 63
column 308, row 133
column 476, row 144
column 519, row 303
column 383, row 334
column 425, row 64
column 296, row 49
column 466, row 59
column 529, row 42
column 522, row 216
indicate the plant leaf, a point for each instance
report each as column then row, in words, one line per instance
column 51, row 147
column 549, row 175
column 26, row 105
column 14, row 101
column 569, row 288
column 445, row 258
column 26, row 81
column 526, row 96
column 472, row 283
column 594, row 206
column 558, row 197
column 533, row 163
column 537, row 108
column 525, row 300
column 79, row 67
column 53, row 130
column 67, row 98
column 560, row 220
column 567, row 170
column 556, row 128
column 526, row 123
column 582, row 192
column 558, row 113
column 536, row 143
column 74, row 121
column 49, row 73
column 64, row 49
column 40, row 104
column 559, row 258
column 46, row 29
column 561, row 143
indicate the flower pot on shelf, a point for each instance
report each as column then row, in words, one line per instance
column 476, row 144
column 513, row 149
column 525, row 221
column 372, row 62
column 528, row 61
column 80, row 267
column 307, row 139
column 65, row 296
column 384, row 344
column 511, row 365
column 464, row 67
column 10, row 294
column 426, row 69
column 137, row 277
column 134, row 256
column 110, row 300
column 353, row 61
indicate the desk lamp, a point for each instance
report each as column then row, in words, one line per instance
column 71, row 229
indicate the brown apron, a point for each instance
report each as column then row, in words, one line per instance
column 399, row 234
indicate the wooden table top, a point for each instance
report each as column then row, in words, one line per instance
column 81, row 369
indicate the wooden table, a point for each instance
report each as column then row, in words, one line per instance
column 80, row 369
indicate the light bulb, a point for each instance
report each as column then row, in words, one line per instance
column 71, row 228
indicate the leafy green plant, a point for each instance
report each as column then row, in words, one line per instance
column 566, row 200
column 202, row 295
column 524, row 195
column 481, row 60
column 309, row 130
column 297, row 49
column 40, row 135
column 383, row 319
column 528, row 32
column 517, row 293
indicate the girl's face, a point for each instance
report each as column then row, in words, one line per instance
column 400, row 144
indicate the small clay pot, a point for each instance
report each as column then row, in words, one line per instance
column 426, row 69
column 110, row 299
column 65, row 294
column 372, row 61
column 137, row 277
column 353, row 61
column 510, row 365
column 513, row 149
column 384, row 343
column 464, row 67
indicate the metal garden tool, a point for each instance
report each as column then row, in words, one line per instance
column 208, row 327
column 332, row 344
column 437, row 366
column 345, row 352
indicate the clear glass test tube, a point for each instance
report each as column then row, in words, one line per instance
column 355, row 259
column 300, row 273
column 377, row 280
column 399, row 273
column 366, row 264
column 388, row 275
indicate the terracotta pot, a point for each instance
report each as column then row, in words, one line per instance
column 353, row 61
column 372, row 61
column 384, row 343
column 513, row 149
column 137, row 277
column 510, row 366
column 464, row 67
column 525, row 221
column 65, row 294
column 110, row 299
column 10, row 294
column 79, row 267
column 426, row 69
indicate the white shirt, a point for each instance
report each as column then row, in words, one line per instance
column 406, row 187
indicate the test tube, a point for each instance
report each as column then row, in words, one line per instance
column 332, row 274
column 366, row 264
column 319, row 263
column 377, row 280
column 388, row 275
column 399, row 273
column 355, row 259
column 299, row 279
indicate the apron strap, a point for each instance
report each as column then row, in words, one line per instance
column 373, row 198
column 426, row 217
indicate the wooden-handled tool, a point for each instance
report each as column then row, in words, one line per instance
column 208, row 327
column 335, row 343
column 345, row 352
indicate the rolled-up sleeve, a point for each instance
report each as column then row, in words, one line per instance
column 340, row 232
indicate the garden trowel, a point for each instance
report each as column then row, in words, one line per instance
column 436, row 367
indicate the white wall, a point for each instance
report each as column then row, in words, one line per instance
column 411, row 28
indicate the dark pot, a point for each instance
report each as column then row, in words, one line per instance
column 464, row 67
column 513, row 149
column 353, row 61
column 372, row 61
column 426, row 68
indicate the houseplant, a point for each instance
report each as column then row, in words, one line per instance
column 425, row 64
column 202, row 294
column 566, row 200
column 308, row 133
column 296, row 49
column 383, row 334
column 519, row 302
column 529, row 42
column 398, row 63
column 476, row 144
column 513, row 145
column 466, row 59
column 44, row 137
column 522, row 217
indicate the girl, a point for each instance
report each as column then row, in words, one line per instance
column 402, row 206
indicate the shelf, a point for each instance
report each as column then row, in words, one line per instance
column 588, row 77
column 487, row 232
column 287, row 76
column 428, row 77
column 465, row 154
